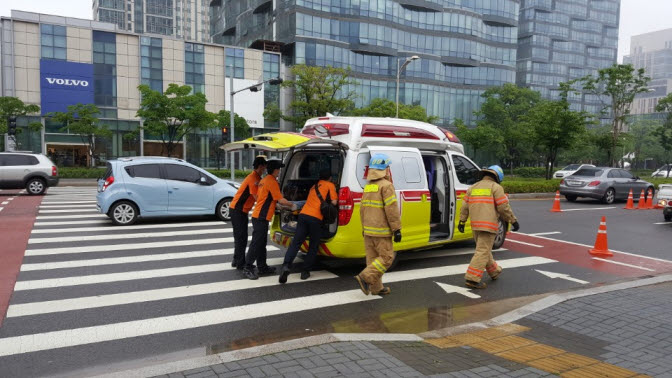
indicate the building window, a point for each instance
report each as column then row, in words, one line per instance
column 53, row 41
column 115, row 17
column 235, row 63
column 194, row 67
column 151, row 67
column 271, row 92
column 159, row 25
column 105, row 68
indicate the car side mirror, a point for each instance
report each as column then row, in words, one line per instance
column 636, row 178
column 203, row 181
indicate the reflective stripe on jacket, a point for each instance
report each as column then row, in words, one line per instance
column 379, row 208
column 485, row 202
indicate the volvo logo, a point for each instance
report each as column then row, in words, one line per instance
column 69, row 82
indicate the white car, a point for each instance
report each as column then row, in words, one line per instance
column 664, row 171
column 570, row 169
column 665, row 200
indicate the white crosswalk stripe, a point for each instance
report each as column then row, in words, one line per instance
column 158, row 277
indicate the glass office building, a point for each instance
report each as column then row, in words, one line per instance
column 562, row 40
column 465, row 46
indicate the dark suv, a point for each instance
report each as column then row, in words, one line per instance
column 34, row 172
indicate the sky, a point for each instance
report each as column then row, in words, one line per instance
column 637, row 16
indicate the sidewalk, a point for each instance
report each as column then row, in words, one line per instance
column 620, row 330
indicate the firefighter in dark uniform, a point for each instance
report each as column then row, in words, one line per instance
column 381, row 223
column 268, row 195
column 240, row 207
column 485, row 202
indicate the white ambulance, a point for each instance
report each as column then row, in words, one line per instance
column 429, row 170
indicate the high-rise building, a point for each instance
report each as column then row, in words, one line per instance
column 465, row 46
column 182, row 19
column 653, row 53
column 562, row 40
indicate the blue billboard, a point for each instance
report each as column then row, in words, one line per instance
column 64, row 83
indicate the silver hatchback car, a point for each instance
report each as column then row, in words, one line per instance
column 34, row 172
column 605, row 184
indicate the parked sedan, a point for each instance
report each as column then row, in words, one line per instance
column 147, row 187
column 605, row 184
column 570, row 169
column 664, row 171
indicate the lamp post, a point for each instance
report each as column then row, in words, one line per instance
column 401, row 68
column 252, row 88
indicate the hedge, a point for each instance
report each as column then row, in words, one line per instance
column 529, row 186
column 530, row 172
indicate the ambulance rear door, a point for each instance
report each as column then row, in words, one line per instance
column 413, row 197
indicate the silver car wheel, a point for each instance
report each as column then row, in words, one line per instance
column 124, row 213
column 224, row 210
column 609, row 196
column 36, row 187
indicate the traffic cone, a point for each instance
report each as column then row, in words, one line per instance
column 556, row 203
column 649, row 200
column 601, row 245
column 641, row 205
column 630, row 205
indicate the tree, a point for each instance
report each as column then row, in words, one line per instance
column 555, row 126
column 173, row 114
column 504, row 110
column 642, row 140
column 664, row 131
column 81, row 119
column 317, row 91
column 619, row 83
column 242, row 131
column 382, row 107
column 14, row 107
column 481, row 137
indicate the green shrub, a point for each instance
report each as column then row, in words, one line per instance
column 530, row 172
column 537, row 186
column 80, row 173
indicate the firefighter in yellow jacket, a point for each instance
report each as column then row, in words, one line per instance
column 381, row 223
column 485, row 202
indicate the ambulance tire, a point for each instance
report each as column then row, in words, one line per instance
column 394, row 262
column 501, row 235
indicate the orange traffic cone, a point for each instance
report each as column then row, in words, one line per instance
column 630, row 205
column 649, row 200
column 641, row 205
column 601, row 245
column 556, row 203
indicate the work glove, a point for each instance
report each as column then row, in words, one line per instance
column 397, row 236
column 516, row 226
column 460, row 227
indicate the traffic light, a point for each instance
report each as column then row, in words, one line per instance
column 225, row 133
column 11, row 125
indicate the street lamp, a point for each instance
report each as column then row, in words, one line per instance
column 252, row 88
column 401, row 68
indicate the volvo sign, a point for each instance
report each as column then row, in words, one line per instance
column 64, row 83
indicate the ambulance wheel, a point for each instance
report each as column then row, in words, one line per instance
column 394, row 262
column 501, row 235
column 668, row 217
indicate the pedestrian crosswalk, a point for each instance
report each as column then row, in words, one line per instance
column 85, row 282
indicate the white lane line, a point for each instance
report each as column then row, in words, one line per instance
column 624, row 264
column 143, row 235
column 167, row 293
column 545, row 233
column 127, row 276
column 591, row 209
column 90, row 222
column 124, row 229
column 1, row 208
column 612, row 250
column 520, row 242
column 81, row 216
column 10, row 199
column 5, row 202
column 93, row 210
column 130, row 259
column 118, row 331
column 155, row 295
column 123, row 247
column 60, row 202
column 663, row 223
column 50, row 207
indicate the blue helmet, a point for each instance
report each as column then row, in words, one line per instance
column 495, row 170
column 379, row 161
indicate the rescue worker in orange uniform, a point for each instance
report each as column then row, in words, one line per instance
column 240, row 206
column 268, row 195
column 310, row 225
column 485, row 202
column 381, row 223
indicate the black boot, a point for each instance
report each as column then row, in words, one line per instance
column 475, row 285
column 266, row 270
column 250, row 273
column 284, row 272
column 305, row 275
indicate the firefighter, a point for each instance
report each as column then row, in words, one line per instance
column 241, row 205
column 268, row 195
column 485, row 202
column 381, row 223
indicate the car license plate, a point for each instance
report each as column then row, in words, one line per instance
column 573, row 183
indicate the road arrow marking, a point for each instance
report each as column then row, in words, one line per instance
column 562, row 276
column 456, row 289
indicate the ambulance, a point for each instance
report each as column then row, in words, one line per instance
column 429, row 170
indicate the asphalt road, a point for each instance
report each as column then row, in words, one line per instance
column 91, row 297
